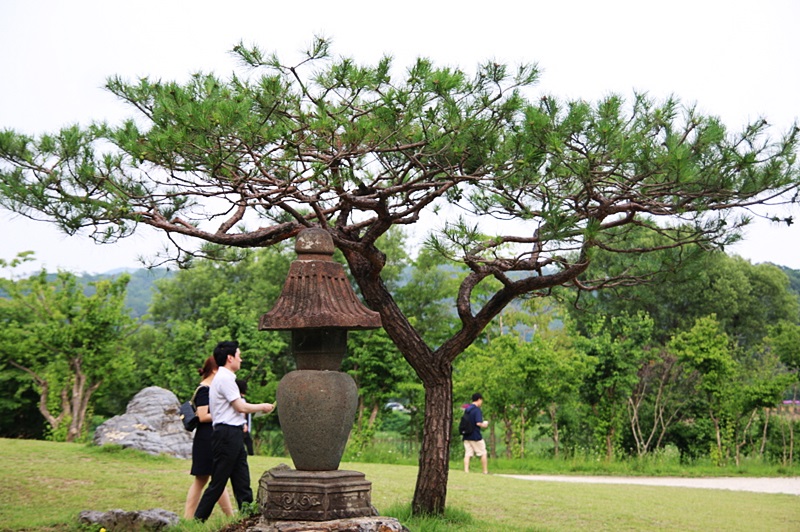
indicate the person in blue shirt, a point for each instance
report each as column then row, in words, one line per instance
column 474, row 445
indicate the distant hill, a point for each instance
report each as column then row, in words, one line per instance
column 140, row 287
column 794, row 279
column 142, row 284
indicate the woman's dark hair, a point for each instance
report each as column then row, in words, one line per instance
column 209, row 367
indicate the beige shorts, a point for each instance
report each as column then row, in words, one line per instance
column 474, row 448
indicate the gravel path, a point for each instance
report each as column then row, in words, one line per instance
column 790, row 486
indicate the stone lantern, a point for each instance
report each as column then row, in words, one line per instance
column 317, row 402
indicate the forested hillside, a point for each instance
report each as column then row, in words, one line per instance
column 794, row 279
column 140, row 287
column 143, row 280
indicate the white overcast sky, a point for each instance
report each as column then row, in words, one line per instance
column 736, row 59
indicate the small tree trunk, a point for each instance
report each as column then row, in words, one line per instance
column 792, row 416
column 82, row 392
column 610, row 444
column 374, row 414
column 44, row 393
column 553, row 410
column 492, row 442
column 360, row 417
column 76, row 402
column 508, row 435
column 764, row 433
column 718, row 434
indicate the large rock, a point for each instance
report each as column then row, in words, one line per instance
column 122, row 521
column 151, row 424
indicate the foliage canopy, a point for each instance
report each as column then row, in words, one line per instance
column 65, row 342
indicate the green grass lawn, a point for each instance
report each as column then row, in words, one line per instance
column 46, row 484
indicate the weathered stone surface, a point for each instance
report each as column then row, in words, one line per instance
column 317, row 293
column 357, row 524
column 151, row 424
column 317, row 411
column 120, row 520
column 287, row 494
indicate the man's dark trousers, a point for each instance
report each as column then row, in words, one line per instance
column 230, row 462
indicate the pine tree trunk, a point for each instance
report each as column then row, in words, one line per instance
column 434, row 462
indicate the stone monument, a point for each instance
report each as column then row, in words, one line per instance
column 317, row 402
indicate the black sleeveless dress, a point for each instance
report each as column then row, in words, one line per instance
column 202, row 459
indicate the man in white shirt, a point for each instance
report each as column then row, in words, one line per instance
column 228, row 410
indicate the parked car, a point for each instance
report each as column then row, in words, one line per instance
column 395, row 407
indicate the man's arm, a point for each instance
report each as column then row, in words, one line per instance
column 479, row 419
column 243, row 407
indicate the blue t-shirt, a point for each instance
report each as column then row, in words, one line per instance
column 475, row 416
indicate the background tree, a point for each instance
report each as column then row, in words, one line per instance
column 556, row 372
column 746, row 298
column 619, row 344
column 765, row 384
column 378, row 369
column 67, row 344
column 19, row 412
column 784, row 341
column 211, row 301
column 529, row 365
column 706, row 349
column 661, row 399
column 354, row 149
column 495, row 370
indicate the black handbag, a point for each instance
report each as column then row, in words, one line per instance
column 189, row 413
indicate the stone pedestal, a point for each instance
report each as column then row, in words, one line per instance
column 288, row 494
column 354, row 524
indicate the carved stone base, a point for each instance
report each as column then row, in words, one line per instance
column 287, row 494
column 355, row 524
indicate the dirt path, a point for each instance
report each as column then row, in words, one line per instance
column 790, row 486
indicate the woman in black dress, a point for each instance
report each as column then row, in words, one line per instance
column 202, row 459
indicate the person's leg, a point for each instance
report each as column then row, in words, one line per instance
column 240, row 477
column 467, row 455
column 193, row 496
column 225, row 452
column 225, row 502
column 480, row 450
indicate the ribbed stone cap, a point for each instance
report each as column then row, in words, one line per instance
column 317, row 293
